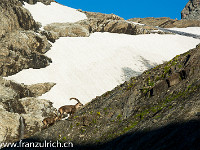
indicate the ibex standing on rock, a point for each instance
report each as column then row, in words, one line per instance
column 70, row 109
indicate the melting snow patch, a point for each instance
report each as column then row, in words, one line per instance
column 86, row 67
column 54, row 12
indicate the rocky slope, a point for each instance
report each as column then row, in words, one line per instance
column 191, row 10
column 96, row 22
column 165, row 22
column 151, row 111
column 19, row 101
column 21, row 47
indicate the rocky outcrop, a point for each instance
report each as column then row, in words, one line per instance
column 46, row 2
column 67, row 29
column 18, row 101
column 191, row 10
column 40, row 88
column 35, row 110
column 13, row 17
column 84, row 28
column 117, row 26
column 9, row 126
column 50, row 35
column 96, row 15
column 21, row 50
column 20, row 46
column 165, row 22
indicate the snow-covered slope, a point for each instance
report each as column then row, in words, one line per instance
column 55, row 12
column 86, row 67
column 193, row 30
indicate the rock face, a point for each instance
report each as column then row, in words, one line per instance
column 13, row 17
column 94, row 15
column 40, row 88
column 18, row 101
column 9, row 125
column 35, row 110
column 67, row 29
column 165, row 22
column 191, row 10
column 46, row 2
column 21, row 50
column 20, row 46
column 162, row 101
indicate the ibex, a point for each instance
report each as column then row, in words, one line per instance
column 50, row 120
column 70, row 109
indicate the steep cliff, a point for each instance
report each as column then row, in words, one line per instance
column 191, row 10
column 20, row 46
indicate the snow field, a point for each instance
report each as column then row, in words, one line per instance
column 54, row 12
column 86, row 67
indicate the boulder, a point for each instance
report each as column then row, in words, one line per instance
column 174, row 79
column 35, row 111
column 67, row 29
column 97, row 15
column 13, row 125
column 117, row 26
column 21, row 50
column 9, row 126
column 40, row 88
column 50, row 35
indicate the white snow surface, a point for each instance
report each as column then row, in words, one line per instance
column 54, row 12
column 193, row 30
column 86, row 67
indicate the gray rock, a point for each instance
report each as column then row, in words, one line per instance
column 191, row 10
column 13, row 17
column 68, row 29
column 20, row 110
column 50, row 35
column 46, row 2
column 23, row 49
column 35, row 110
column 40, row 88
column 96, row 15
column 9, row 126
